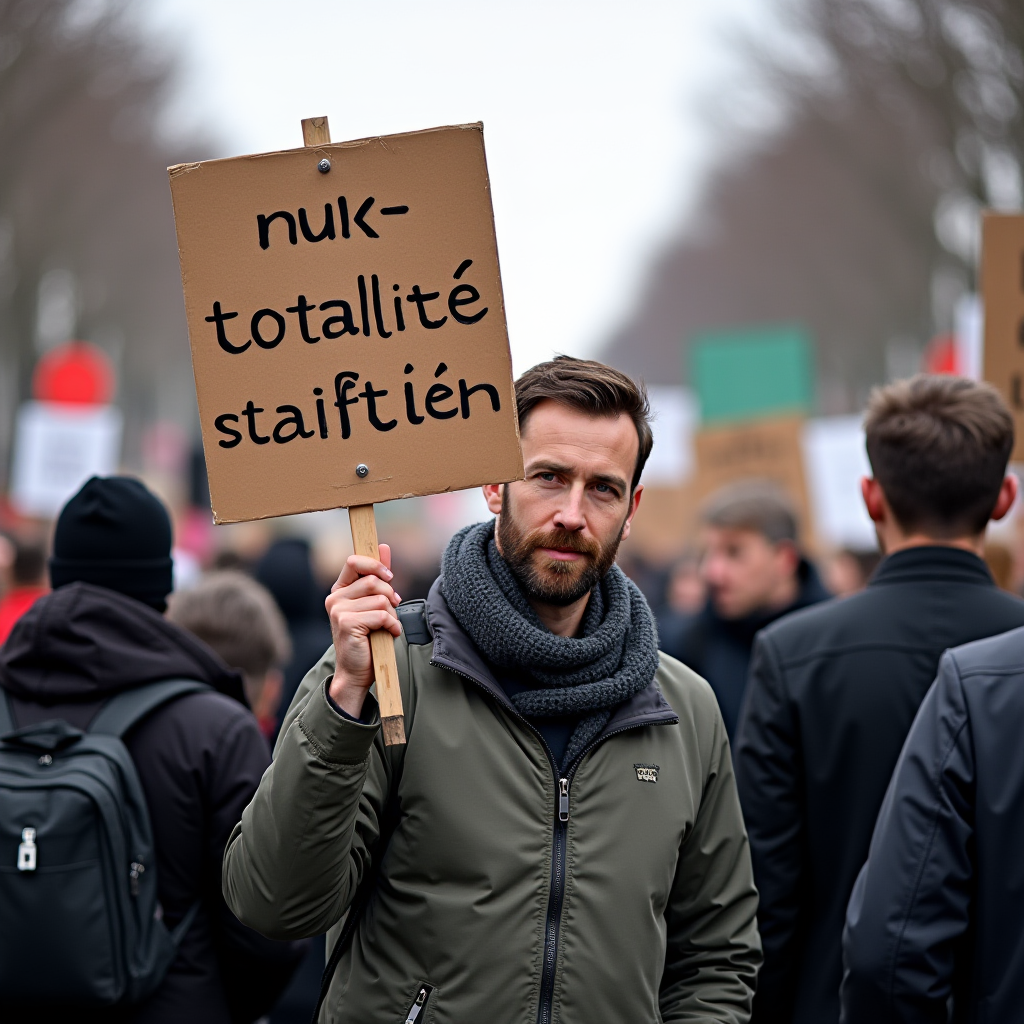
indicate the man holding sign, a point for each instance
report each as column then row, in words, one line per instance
column 560, row 839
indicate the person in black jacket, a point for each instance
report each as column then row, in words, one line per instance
column 754, row 574
column 833, row 689
column 199, row 758
column 938, row 909
column 286, row 570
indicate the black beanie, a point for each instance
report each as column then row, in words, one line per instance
column 115, row 533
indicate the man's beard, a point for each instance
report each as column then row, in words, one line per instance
column 544, row 579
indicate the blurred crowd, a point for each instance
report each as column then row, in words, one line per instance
column 255, row 598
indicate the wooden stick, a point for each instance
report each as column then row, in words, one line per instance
column 382, row 643
column 316, row 132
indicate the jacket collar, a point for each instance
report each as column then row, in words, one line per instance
column 455, row 651
column 932, row 563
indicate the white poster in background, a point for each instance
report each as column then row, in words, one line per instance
column 57, row 448
column 835, row 459
column 969, row 335
column 675, row 417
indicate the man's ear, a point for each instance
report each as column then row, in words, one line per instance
column 791, row 555
column 492, row 495
column 1007, row 496
column 874, row 498
column 634, row 504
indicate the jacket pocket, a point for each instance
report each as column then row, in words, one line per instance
column 419, row 1004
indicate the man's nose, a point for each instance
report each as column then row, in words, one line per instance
column 570, row 515
column 711, row 569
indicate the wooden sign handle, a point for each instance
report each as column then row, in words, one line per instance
column 382, row 643
column 316, row 132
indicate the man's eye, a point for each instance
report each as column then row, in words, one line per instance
column 547, row 476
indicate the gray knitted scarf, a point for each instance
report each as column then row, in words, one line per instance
column 614, row 658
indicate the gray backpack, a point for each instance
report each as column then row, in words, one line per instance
column 81, row 925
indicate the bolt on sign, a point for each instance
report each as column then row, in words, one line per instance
column 346, row 320
column 1002, row 286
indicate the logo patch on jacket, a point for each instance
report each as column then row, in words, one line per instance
column 646, row 772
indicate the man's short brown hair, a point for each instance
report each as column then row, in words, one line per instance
column 592, row 388
column 760, row 506
column 938, row 447
column 238, row 618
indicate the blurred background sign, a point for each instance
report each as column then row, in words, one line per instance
column 674, row 417
column 69, row 433
column 753, row 373
column 1003, row 294
column 835, row 460
column 766, row 449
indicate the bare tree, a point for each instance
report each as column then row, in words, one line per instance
column 83, row 188
column 858, row 216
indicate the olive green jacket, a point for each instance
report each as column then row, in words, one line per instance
column 619, row 890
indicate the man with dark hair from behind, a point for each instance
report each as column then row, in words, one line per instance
column 286, row 570
column 834, row 689
column 755, row 574
column 560, row 838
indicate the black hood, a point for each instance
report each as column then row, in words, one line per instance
column 85, row 643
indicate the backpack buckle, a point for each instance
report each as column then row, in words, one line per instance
column 27, row 850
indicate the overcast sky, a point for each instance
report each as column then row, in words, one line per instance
column 595, row 143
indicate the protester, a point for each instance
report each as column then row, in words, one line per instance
column 684, row 593
column 199, row 758
column 238, row 618
column 937, row 913
column 834, row 689
column 28, row 582
column 243, row 623
column 754, row 574
column 286, row 570
column 561, row 834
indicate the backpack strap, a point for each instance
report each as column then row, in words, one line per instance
column 125, row 709
column 413, row 617
column 6, row 718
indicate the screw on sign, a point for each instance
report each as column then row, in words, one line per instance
column 348, row 332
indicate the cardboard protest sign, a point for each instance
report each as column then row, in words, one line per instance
column 347, row 324
column 770, row 449
column 1002, row 284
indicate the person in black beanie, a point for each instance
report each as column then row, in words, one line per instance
column 199, row 758
column 115, row 533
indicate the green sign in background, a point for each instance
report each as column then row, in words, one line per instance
column 752, row 373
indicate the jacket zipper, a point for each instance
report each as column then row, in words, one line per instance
column 556, row 893
column 557, row 888
column 418, row 1003
column 556, row 896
